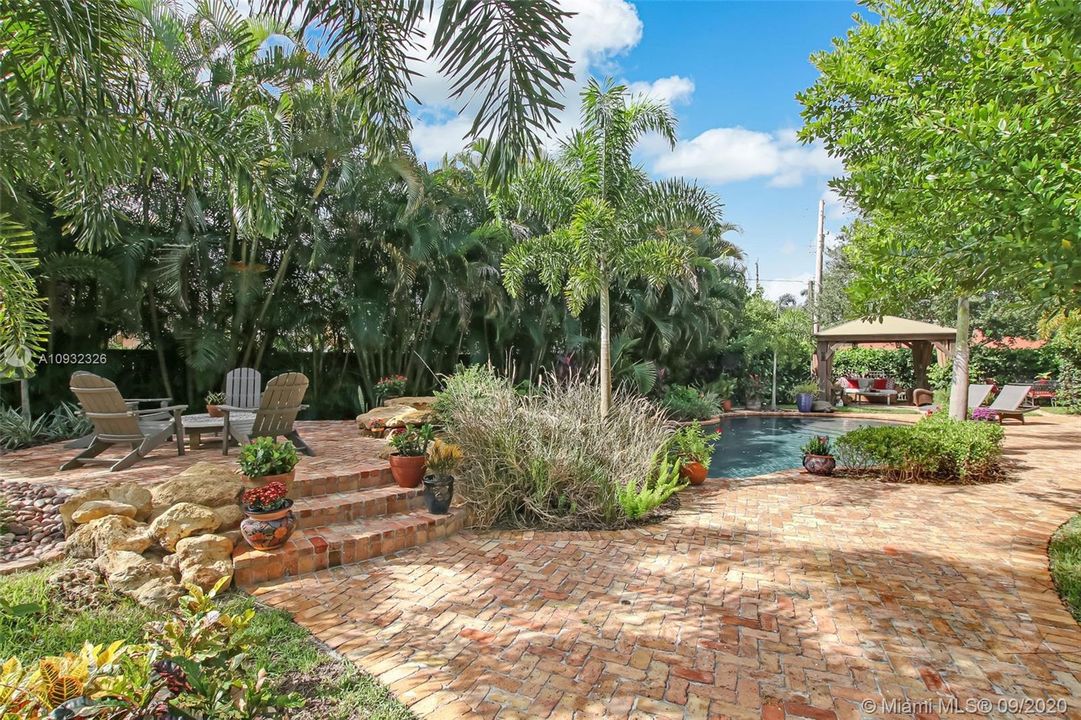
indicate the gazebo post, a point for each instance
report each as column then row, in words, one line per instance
column 921, row 358
column 824, row 353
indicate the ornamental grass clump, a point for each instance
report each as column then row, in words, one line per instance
column 936, row 449
column 546, row 459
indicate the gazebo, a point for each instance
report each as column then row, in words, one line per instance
column 921, row 337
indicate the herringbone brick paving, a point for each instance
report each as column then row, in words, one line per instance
column 780, row 596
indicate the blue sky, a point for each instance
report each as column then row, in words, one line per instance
column 731, row 71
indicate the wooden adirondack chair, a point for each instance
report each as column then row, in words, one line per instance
column 243, row 388
column 117, row 423
column 278, row 408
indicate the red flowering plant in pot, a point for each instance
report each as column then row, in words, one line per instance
column 391, row 386
column 270, row 520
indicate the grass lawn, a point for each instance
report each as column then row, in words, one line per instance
column 1065, row 553
column 1053, row 410
column 333, row 688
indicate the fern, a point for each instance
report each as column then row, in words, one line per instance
column 637, row 502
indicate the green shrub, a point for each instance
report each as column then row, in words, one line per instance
column 936, row 449
column 63, row 422
column 265, row 456
column 546, row 459
column 687, row 403
column 1065, row 553
column 639, row 500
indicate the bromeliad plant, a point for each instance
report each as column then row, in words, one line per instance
column 266, row 456
column 266, row 499
column 412, row 441
column 444, row 457
column 817, row 445
column 215, row 398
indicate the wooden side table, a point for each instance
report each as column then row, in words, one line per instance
column 199, row 424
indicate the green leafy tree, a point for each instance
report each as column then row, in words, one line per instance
column 959, row 124
column 603, row 221
column 774, row 335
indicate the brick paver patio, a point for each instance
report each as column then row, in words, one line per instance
column 781, row 596
column 339, row 450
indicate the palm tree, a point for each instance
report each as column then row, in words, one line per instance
column 603, row 221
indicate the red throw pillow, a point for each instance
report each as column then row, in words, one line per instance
column 879, row 384
column 849, row 383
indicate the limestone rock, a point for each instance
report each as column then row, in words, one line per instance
column 112, row 532
column 393, row 416
column 204, row 560
column 229, row 516
column 418, row 402
column 128, row 493
column 180, row 521
column 159, row 594
column 100, row 508
column 204, row 483
column 126, row 571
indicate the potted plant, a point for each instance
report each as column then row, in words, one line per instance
column 265, row 460
column 805, row 396
column 214, row 401
column 408, row 461
column 443, row 458
column 270, row 520
column 391, row 386
column 817, row 458
column 690, row 445
column 725, row 387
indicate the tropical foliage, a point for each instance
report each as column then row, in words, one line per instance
column 595, row 220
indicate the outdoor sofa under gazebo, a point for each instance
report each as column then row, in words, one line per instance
column 921, row 337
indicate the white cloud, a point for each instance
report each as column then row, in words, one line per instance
column 723, row 155
column 672, row 90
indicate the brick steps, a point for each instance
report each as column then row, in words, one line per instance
column 318, row 548
column 344, row 507
column 346, row 483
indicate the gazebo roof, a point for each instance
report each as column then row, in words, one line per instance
column 889, row 328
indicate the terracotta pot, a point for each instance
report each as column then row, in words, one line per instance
column 214, row 410
column 285, row 479
column 267, row 531
column 726, row 405
column 819, row 464
column 408, row 470
column 694, row 472
column 438, row 492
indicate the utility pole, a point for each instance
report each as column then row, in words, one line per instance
column 820, row 249
column 757, row 285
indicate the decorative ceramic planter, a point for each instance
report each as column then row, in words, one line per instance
column 408, row 470
column 805, row 402
column 438, row 492
column 755, row 404
column 819, row 464
column 693, row 472
column 267, row 531
column 285, row 479
column 214, row 410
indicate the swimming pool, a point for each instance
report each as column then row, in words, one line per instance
column 758, row 445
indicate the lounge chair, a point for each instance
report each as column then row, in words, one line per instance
column 243, row 388
column 976, row 396
column 277, row 411
column 116, row 422
column 1009, row 402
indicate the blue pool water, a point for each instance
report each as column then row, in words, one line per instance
column 750, row 446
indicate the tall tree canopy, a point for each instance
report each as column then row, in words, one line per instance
column 959, row 124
